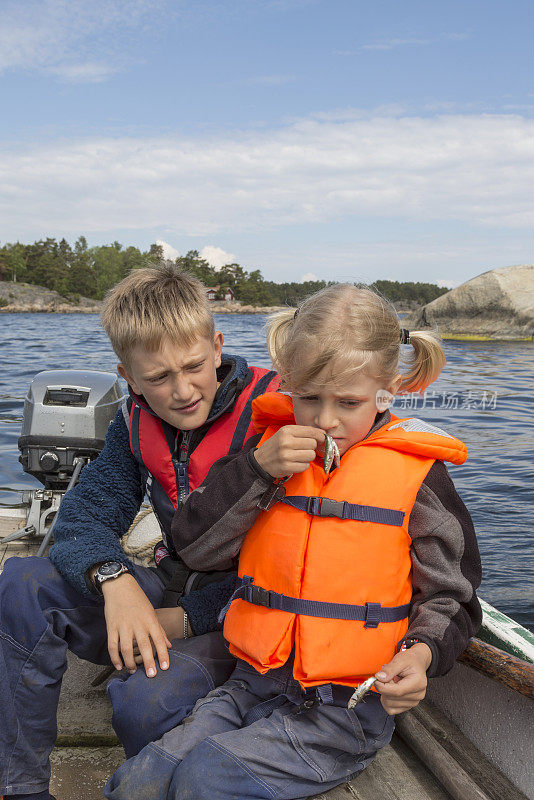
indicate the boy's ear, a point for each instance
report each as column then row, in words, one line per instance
column 123, row 372
column 218, row 341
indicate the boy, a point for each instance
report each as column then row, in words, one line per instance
column 189, row 405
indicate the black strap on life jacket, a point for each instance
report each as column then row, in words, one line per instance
column 183, row 579
column 175, row 586
column 372, row 614
column 242, row 426
column 324, row 507
column 302, row 701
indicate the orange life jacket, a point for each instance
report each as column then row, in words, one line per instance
column 348, row 559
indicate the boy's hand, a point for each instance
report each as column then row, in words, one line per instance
column 172, row 622
column 130, row 618
column 290, row 450
column 402, row 682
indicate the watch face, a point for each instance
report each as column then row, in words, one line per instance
column 109, row 568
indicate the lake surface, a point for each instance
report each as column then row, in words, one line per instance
column 484, row 396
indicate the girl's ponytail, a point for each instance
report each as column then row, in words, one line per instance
column 278, row 328
column 425, row 364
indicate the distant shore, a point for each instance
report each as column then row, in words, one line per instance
column 26, row 298
column 68, row 308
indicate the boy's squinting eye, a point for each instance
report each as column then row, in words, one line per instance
column 351, row 403
column 158, row 378
column 196, row 367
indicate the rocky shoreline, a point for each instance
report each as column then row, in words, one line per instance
column 20, row 298
column 497, row 305
column 26, row 298
column 49, row 309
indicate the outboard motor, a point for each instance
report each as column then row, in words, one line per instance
column 66, row 416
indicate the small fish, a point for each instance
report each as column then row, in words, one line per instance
column 331, row 454
column 360, row 692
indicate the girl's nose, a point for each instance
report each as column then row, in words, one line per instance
column 326, row 419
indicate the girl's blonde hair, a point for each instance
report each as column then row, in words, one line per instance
column 355, row 329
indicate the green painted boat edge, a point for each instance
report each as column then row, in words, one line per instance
column 505, row 633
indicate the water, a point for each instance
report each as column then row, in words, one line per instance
column 490, row 382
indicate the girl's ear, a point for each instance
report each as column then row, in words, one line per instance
column 394, row 386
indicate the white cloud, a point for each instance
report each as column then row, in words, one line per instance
column 168, row 250
column 394, row 42
column 478, row 169
column 390, row 44
column 74, row 40
column 216, row 256
column 309, row 276
column 88, row 72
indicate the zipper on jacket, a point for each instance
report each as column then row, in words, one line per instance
column 181, row 465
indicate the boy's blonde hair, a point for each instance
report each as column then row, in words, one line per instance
column 354, row 329
column 154, row 302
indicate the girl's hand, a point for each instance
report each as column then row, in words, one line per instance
column 402, row 682
column 290, row 450
column 131, row 619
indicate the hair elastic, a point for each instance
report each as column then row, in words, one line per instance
column 295, row 315
column 404, row 336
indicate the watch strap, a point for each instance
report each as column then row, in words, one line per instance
column 99, row 579
column 409, row 642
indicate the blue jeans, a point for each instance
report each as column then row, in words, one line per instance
column 146, row 708
column 240, row 744
column 41, row 617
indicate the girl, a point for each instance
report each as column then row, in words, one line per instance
column 368, row 570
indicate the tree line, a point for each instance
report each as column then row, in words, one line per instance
column 90, row 271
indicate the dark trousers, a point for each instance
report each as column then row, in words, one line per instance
column 41, row 617
column 240, row 745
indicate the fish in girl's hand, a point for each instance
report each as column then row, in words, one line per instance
column 331, row 454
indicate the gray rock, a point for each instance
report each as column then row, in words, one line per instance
column 498, row 304
column 28, row 297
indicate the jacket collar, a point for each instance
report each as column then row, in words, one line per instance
column 408, row 435
column 276, row 408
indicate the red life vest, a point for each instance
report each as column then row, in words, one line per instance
column 172, row 475
column 327, row 570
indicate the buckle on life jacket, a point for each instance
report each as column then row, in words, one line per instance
column 274, row 493
column 258, row 595
column 325, row 507
column 306, row 705
column 372, row 615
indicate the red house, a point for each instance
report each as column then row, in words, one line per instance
column 212, row 291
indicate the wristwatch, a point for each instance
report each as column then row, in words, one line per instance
column 409, row 642
column 107, row 572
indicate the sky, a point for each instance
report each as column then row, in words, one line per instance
column 338, row 139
